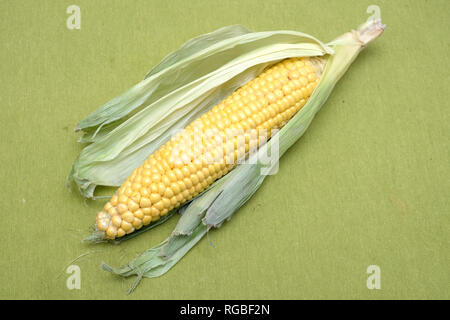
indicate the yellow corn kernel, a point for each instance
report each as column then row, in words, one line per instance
column 120, row 233
column 146, row 220
column 111, row 232
column 116, row 220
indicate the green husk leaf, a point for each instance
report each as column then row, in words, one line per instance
column 197, row 44
column 229, row 193
column 166, row 70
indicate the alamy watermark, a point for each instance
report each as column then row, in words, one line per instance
column 74, row 20
column 226, row 147
column 74, row 280
column 374, row 279
column 374, row 11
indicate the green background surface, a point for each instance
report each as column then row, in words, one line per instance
column 368, row 184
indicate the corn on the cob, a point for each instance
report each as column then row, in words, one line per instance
column 165, row 182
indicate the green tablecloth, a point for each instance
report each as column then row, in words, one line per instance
column 368, row 184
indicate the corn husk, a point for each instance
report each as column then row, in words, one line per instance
column 187, row 83
column 225, row 196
